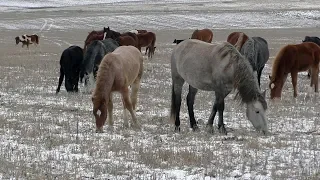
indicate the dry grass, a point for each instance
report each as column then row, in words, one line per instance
column 40, row 139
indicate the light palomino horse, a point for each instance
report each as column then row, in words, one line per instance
column 219, row 68
column 293, row 59
column 118, row 70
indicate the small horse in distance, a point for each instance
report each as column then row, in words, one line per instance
column 219, row 68
column 26, row 40
column 70, row 65
column 92, row 59
column 124, row 39
column 313, row 39
column 233, row 38
column 205, row 35
column 91, row 38
column 177, row 41
column 147, row 40
column 293, row 59
column 118, row 70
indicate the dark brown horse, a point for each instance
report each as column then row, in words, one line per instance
column 27, row 40
column 293, row 59
column 148, row 40
column 124, row 39
column 205, row 35
column 233, row 39
column 92, row 37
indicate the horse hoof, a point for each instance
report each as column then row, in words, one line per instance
column 99, row 130
column 177, row 129
column 223, row 130
column 210, row 128
column 195, row 128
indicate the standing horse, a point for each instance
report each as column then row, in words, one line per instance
column 205, row 35
column 218, row 68
column 124, row 39
column 70, row 65
column 148, row 40
column 233, row 38
column 118, row 70
column 92, row 58
column 293, row 59
column 313, row 39
column 93, row 37
column 256, row 50
column 90, row 34
column 26, row 40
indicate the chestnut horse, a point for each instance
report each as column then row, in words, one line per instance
column 27, row 40
column 92, row 37
column 148, row 40
column 233, row 39
column 293, row 59
column 117, row 71
column 124, row 39
column 205, row 35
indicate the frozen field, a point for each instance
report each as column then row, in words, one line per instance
column 48, row 136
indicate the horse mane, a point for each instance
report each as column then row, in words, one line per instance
column 276, row 63
column 244, row 80
column 239, row 41
column 105, row 77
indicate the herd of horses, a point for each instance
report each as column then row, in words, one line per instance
column 112, row 62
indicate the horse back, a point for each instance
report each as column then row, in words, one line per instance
column 233, row 38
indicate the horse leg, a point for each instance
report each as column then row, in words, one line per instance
column 177, row 84
column 219, row 105
column 128, row 105
column 259, row 75
column 110, row 111
column 314, row 78
column 190, row 101
column 294, row 76
column 134, row 92
column 147, row 48
column 60, row 80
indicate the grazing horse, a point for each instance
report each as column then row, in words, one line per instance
column 70, row 65
column 177, row 41
column 118, row 70
column 233, row 38
column 293, row 59
column 256, row 50
column 313, row 39
column 205, row 35
column 91, row 38
column 148, row 40
column 124, row 39
column 27, row 40
column 92, row 58
column 219, row 68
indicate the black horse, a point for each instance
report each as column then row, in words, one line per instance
column 70, row 65
column 177, row 41
column 313, row 39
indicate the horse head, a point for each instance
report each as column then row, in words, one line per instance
column 275, row 87
column 256, row 113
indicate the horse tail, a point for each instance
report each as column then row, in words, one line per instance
column 239, row 42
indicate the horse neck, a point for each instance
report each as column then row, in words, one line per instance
column 245, row 81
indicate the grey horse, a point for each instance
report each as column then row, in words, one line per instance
column 219, row 68
column 92, row 58
column 256, row 50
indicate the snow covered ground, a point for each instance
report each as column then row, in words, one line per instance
column 47, row 136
